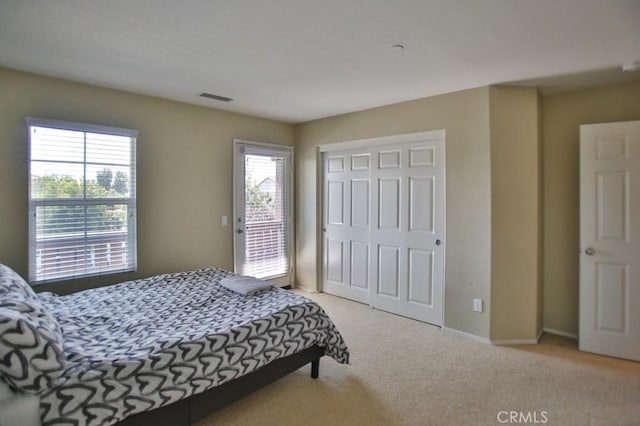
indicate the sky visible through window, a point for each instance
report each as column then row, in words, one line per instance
column 259, row 168
column 59, row 152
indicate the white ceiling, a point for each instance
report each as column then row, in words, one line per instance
column 298, row 60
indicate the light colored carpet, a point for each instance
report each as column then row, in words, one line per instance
column 405, row 372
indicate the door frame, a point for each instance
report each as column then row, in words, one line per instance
column 238, row 176
column 370, row 143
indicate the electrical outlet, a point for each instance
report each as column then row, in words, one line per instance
column 477, row 305
column 223, row 221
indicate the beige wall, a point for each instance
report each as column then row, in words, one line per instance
column 562, row 116
column 516, row 221
column 184, row 159
column 184, row 169
column 465, row 116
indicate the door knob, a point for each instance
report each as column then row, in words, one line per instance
column 590, row 251
column 438, row 242
column 240, row 231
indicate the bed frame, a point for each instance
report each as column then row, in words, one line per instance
column 197, row 407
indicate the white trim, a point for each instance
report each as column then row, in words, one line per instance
column 307, row 290
column 81, row 127
column 494, row 342
column 239, row 146
column 469, row 336
column 560, row 333
column 262, row 144
column 444, row 221
column 507, row 342
column 319, row 221
column 384, row 140
column 130, row 201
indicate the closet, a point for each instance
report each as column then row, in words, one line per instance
column 383, row 204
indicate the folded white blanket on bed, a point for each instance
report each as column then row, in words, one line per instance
column 247, row 286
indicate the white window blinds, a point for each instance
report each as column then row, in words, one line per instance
column 266, row 210
column 82, row 200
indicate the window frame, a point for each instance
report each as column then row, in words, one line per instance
column 130, row 200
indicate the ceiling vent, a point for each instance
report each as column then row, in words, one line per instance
column 215, row 97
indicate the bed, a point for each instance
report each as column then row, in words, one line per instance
column 163, row 350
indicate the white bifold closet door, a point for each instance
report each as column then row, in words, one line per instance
column 383, row 225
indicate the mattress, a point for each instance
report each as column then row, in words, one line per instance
column 147, row 343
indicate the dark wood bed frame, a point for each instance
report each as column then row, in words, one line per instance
column 189, row 410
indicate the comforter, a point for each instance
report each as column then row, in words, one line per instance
column 148, row 343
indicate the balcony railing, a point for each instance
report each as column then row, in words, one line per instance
column 266, row 248
column 68, row 255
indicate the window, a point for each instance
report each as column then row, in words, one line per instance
column 82, row 200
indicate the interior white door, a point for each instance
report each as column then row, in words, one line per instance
column 346, row 230
column 610, row 239
column 383, row 226
column 407, row 232
column 263, row 211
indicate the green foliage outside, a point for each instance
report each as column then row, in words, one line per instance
column 120, row 183
column 58, row 219
column 259, row 205
column 104, row 178
column 255, row 197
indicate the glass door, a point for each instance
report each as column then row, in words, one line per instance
column 263, row 211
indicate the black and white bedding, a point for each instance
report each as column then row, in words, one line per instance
column 148, row 343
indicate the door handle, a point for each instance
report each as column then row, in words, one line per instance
column 590, row 251
column 240, row 231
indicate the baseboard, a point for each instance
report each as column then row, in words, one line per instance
column 560, row 333
column 466, row 335
column 507, row 342
column 494, row 342
column 306, row 289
